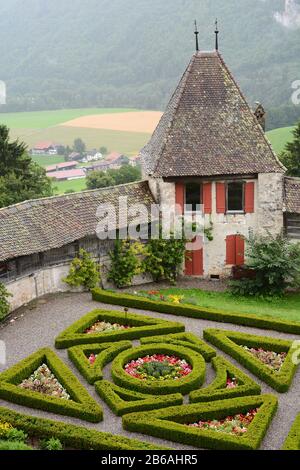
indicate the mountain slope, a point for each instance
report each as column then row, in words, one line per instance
column 69, row 53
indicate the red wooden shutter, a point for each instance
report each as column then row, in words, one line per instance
column 207, row 198
column 249, row 197
column 179, row 198
column 188, row 263
column 231, row 249
column 240, row 250
column 221, row 198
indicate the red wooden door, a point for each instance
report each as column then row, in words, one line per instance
column 194, row 260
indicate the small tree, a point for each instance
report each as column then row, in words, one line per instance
column 4, row 303
column 99, row 179
column 126, row 262
column 79, row 146
column 276, row 264
column 103, row 150
column 291, row 155
column 84, row 271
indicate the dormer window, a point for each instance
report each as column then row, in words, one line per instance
column 236, row 197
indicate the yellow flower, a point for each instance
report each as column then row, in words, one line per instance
column 176, row 299
column 4, row 428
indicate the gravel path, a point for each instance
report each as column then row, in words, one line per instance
column 38, row 324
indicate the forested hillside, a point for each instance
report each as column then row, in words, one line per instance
column 131, row 53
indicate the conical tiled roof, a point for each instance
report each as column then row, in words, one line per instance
column 208, row 128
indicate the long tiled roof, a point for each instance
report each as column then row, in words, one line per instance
column 292, row 195
column 43, row 224
column 208, row 128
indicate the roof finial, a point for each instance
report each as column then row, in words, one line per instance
column 197, row 34
column 217, row 35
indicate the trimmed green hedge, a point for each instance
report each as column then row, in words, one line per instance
column 80, row 405
column 231, row 341
column 185, row 385
column 142, row 325
column 71, row 436
column 13, row 445
column 105, row 354
column 292, row 441
column 191, row 311
column 218, row 391
column 170, row 423
column 187, row 340
column 123, row 401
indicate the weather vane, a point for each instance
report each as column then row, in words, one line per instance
column 217, row 35
column 197, row 34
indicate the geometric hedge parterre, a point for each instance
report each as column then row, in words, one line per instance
column 217, row 390
column 164, row 387
column 231, row 341
column 140, row 326
column 172, row 423
column 80, row 405
column 105, row 354
column 153, row 405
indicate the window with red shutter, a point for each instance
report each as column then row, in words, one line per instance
column 207, row 198
column 249, row 197
column 179, row 196
column 221, row 198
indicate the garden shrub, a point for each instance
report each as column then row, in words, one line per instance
column 105, row 354
column 80, row 405
column 51, row 444
column 231, row 341
column 163, row 387
column 217, row 389
column 135, row 301
column 164, row 258
column 72, row 436
column 292, row 441
column 170, row 423
column 126, row 262
column 141, row 325
column 276, row 263
column 14, row 445
column 4, row 303
column 16, row 435
column 122, row 401
column 84, row 272
column 186, row 340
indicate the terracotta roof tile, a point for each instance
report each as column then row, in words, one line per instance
column 43, row 224
column 292, row 195
column 208, row 128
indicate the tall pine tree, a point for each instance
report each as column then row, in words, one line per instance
column 291, row 155
column 21, row 179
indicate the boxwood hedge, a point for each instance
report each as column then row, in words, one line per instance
column 292, row 441
column 163, row 387
column 71, row 436
column 191, row 311
column 231, row 341
column 171, row 423
column 80, row 405
column 141, row 325
column 187, row 340
column 105, row 354
column 217, row 389
column 123, row 401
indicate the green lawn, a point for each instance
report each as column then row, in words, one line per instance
column 280, row 137
column 47, row 160
column 44, row 119
column 287, row 308
column 60, row 187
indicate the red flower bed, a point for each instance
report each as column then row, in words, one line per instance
column 158, row 367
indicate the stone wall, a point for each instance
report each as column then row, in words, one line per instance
column 270, row 203
column 31, row 287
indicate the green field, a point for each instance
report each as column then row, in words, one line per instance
column 47, row 160
column 45, row 119
column 280, row 137
column 62, row 187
